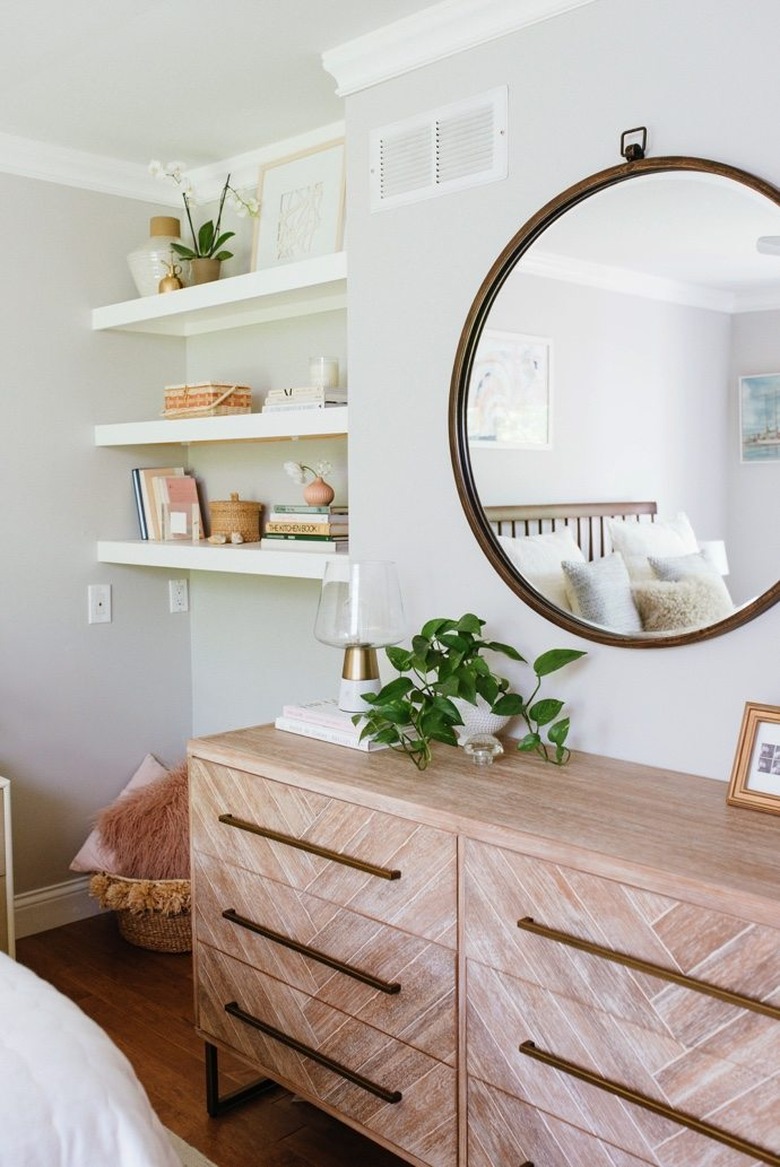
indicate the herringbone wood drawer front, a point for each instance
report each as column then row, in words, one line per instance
column 739, row 1099
column 504, row 886
column 422, row 1122
column 415, row 996
column 422, row 900
column 503, row 1130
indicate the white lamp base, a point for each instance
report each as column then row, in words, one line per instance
column 351, row 694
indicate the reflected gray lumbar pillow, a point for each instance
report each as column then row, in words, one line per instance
column 601, row 592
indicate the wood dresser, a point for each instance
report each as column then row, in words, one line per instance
column 492, row 966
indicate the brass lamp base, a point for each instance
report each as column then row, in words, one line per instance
column 359, row 675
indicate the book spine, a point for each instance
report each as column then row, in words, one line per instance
column 288, row 509
column 139, row 504
column 279, row 527
column 306, row 538
column 329, row 720
column 337, row 737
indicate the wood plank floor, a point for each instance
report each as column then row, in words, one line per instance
column 144, row 1002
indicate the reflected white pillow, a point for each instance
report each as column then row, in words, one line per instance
column 637, row 541
column 601, row 593
column 538, row 558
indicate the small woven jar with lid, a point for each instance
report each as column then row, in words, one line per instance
column 150, row 262
column 235, row 516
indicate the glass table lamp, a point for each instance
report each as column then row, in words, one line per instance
column 360, row 610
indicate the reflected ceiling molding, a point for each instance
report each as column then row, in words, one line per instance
column 431, row 35
column 632, row 283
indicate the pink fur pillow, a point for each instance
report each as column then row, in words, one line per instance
column 94, row 855
column 148, row 830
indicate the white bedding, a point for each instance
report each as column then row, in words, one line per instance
column 68, row 1096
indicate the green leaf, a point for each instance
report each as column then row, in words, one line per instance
column 205, row 238
column 470, row 623
column 506, row 649
column 531, row 741
column 223, row 255
column 392, row 691
column 399, row 658
column 183, row 251
column 558, row 733
column 545, row 711
column 510, row 705
column 432, row 627
column 556, row 658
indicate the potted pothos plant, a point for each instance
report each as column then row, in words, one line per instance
column 447, row 660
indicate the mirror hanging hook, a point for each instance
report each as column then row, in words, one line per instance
column 633, row 151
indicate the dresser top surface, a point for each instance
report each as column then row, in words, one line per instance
column 619, row 819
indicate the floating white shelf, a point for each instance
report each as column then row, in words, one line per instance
column 292, row 289
column 243, row 427
column 244, row 559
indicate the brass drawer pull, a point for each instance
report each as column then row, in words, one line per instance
column 365, row 1083
column 324, row 853
column 339, row 965
column 695, row 1124
column 654, row 970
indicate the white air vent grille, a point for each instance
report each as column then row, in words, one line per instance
column 441, row 151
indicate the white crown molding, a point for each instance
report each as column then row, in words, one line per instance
column 48, row 163
column 430, row 35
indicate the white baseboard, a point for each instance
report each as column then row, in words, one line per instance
column 49, row 907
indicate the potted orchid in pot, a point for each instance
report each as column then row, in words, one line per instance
column 208, row 241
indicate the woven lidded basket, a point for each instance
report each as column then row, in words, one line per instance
column 206, row 399
column 236, row 515
column 150, row 913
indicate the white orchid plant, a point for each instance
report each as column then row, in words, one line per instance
column 209, row 240
column 298, row 471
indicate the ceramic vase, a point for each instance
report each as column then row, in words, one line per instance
column 151, row 262
column 204, row 271
column 318, row 493
column 477, row 719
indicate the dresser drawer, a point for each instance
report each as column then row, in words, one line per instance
column 375, row 863
column 503, row 887
column 417, row 1107
column 396, row 982
column 502, row 1130
column 740, row 1099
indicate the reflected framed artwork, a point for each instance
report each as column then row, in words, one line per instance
column 759, row 417
column 755, row 775
column 301, row 206
column 509, row 392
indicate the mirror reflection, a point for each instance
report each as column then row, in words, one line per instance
column 620, row 427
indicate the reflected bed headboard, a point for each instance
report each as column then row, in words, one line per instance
column 585, row 520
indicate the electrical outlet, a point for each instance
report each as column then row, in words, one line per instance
column 99, row 603
column 178, row 595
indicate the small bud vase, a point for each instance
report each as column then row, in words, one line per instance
column 318, row 493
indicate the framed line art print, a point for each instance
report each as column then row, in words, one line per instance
column 301, row 206
column 755, row 776
column 509, row 392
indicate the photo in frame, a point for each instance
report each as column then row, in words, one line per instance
column 509, row 392
column 759, row 417
column 755, row 775
column 301, row 206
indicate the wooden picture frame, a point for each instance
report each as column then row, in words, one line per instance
column 301, row 201
column 755, row 775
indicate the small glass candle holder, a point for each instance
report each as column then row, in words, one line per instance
column 324, row 372
column 482, row 748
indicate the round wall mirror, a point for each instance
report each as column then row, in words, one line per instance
column 615, row 404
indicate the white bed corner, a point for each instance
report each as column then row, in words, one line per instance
column 68, row 1096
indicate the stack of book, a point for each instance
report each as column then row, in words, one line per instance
column 167, row 503
column 324, row 720
column 307, row 528
column 305, row 397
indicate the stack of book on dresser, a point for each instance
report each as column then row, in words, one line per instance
column 307, row 528
column 304, row 397
column 324, row 720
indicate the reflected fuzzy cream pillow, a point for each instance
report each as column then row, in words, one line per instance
column 671, row 606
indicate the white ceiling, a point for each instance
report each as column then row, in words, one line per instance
column 191, row 80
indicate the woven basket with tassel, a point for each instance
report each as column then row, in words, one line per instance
column 150, row 913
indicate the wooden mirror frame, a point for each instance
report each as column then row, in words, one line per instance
column 461, row 378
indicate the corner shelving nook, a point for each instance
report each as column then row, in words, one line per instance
column 295, row 289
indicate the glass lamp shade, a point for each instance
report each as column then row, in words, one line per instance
column 360, row 610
